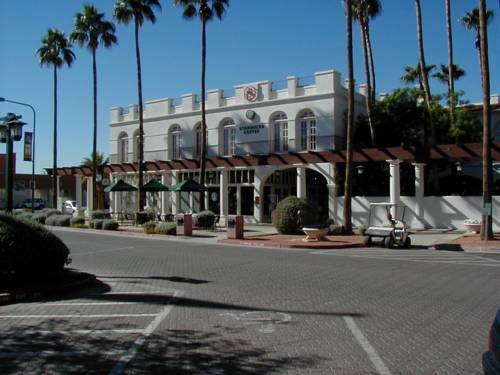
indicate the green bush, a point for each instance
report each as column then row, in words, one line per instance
column 96, row 223
column 79, row 226
column 109, row 224
column 29, row 250
column 336, row 230
column 100, row 214
column 59, row 220
column 25, row 216
column 143, row 217
column 166, row 228
column 77, row 220
column 204, row 219
column 286, row 218
column 50, row 211
column 149, row 227
column 41, row 216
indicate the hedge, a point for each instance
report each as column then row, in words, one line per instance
column 204, row 219
column 291, row 214
column 149, row 227
column 29, row 250
column 59, row 220
column 96, row 223
column 109, row 224
column 166, row 228
column 100, row 214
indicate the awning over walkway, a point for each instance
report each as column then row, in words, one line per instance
column 120, row 185
column 187, row 185
column 154, row 186
column 452, row 152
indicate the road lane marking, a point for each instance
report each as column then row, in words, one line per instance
column 367, row 347
column 139, row 342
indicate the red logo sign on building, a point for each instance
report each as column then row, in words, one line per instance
column 250, row 93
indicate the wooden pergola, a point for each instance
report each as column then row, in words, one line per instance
column 452, row 152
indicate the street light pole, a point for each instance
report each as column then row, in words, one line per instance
column 33, row 154
column 10, row 131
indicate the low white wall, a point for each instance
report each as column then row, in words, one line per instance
column 440, row 212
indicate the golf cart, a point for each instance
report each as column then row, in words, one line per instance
column 390, row 233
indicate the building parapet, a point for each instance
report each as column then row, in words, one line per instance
column 326, row 82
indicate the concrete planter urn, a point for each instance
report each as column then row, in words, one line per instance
column 472, row 226
column 314, row 234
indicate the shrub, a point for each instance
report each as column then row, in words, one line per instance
column 336, row 230
column 109, row 224
column 29, row 250
column 25, row 216
column 166, row 228
column 59, row 220
column 149, row 227
column 143, row 217
column 100, row 214
column 77, row 220
column 205, row 219
column 291, row 214
column 96, row 223
column 50, row 211
column 79, row 226
column 41, row 216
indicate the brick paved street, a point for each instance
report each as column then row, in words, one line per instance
column 176, row 307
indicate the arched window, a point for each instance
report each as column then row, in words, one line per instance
column 197, row 140
column 228, row 137
column 123, row 148
column 279, row 124
column 175, row 136
column 135, row 142
column 308, row 131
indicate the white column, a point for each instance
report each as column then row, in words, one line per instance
column 301, row 182
column 118, row 196
column 332, row 203
column 394, row 183
column 238, row 200
column 90, row 194
column 78, row 190
column 419, row 222
column 165, row 195
column 58, row 190
column 191, row 202
column 206, row 196
column 223, row 194
column 174, row 196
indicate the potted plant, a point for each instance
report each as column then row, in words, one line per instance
column 472, row 225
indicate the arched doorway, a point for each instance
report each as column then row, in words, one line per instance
column 283, row 183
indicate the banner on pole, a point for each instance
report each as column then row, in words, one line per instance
column 28, row 141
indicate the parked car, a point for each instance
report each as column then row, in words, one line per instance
column 491, row 359
column 38, row 204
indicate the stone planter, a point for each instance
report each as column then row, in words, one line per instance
column 315, row 234
column 473, row 227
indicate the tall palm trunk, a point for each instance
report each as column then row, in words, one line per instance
column 54, row 165
column 423, row 71
column 94, row 139
column 203, row 114
column 451, row 81
column 372, row 64
column 347, row 213
column 486, row 227
column 141, row 193
column 362, row 22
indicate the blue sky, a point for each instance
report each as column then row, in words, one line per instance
column 257, row 40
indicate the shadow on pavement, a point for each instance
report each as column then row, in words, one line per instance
column 175, row 279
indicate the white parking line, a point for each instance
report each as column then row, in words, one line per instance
column 130, row 354
column 367, row 347
column 103, row 251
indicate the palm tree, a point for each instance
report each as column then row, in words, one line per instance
column 138, row 11
column 96, row 161
column 471, row 22
column 484, row 17
column 363, row 11
column 55, row 51
column 206, row 10
column 347, row 213
column 451, row 66
column 443, row 76
column 414, row 75
column 423, row 69
column 91, row 29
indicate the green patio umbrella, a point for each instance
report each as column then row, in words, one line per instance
column 154, row 185
column 120, row 185
column 187, row 185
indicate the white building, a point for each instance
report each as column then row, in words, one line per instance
column 296, row 117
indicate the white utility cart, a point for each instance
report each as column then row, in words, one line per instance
column 390, row 232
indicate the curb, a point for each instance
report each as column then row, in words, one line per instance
column 281, row 245
column 26, row 295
